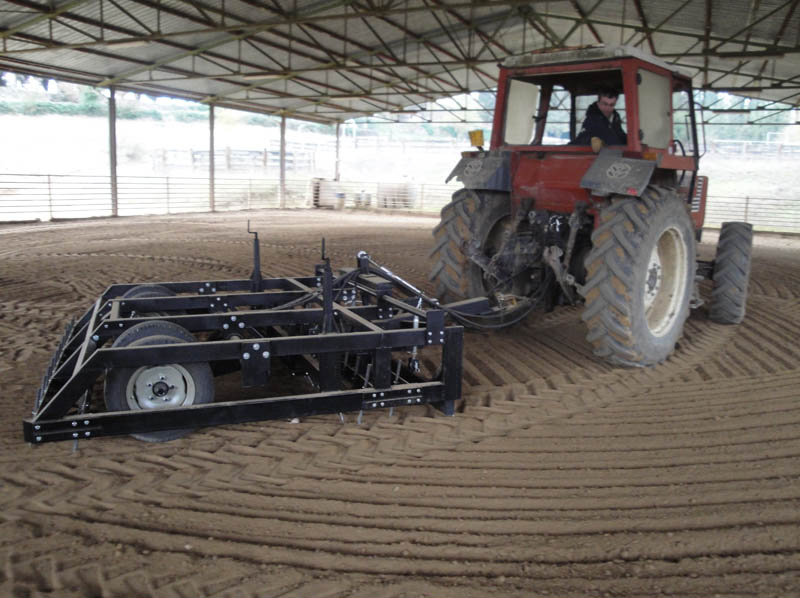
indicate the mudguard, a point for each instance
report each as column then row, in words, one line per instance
column 611, row 173
column 487, row 170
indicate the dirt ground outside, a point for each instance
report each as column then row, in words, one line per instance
column 563, row 476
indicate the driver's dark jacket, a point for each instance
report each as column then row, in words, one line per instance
column 597, row 125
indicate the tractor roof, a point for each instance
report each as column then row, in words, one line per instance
column 585, row 54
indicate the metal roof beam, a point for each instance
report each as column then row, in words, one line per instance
column 205, row 47
column 50, row 14
column 469, row 24
column 366, row 50
column 638, row 5
column 584, row 21
column 751, row 122
column 529, row 15
column 499, row 24
column 449, row 35
column 664, row 30
column 663, row 22
column 749, row 26
column 787, row 17
column 128, row 14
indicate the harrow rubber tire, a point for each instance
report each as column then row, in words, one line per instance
column 633, row 237
column 153, row 328
column 731, row 273
column 157, row 333
column 471, row 215
column 146, row 291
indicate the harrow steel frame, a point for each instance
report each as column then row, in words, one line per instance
column 340, row 333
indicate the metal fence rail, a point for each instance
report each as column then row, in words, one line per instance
column 47, row 197
column 764, row 213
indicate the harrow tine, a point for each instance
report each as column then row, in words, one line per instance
column 38, row 402
column 52, row 367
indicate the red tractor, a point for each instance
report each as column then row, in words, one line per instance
column 545, row 220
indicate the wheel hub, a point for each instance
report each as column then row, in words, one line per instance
column 158, row 387
column 654, row 276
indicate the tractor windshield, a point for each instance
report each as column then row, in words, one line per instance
column 552, row 109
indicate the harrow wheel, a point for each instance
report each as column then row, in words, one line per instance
column 163, row 386
column 639, row 278
column 146, row 291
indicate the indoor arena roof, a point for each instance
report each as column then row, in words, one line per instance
column 332, row 60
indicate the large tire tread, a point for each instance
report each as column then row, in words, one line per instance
column 731, row 273
column 449, row 269
column 610, row 274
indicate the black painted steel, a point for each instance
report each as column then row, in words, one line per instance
column 357, row 338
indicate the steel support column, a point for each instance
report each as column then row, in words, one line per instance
column 211, row 158
column 283, row 163
column 338, row 148
column 112, row 149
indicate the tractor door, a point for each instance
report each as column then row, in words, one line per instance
column 686, row 143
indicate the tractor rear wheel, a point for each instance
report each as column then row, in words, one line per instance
column 160, row 386
column 473, row 220
column 731, row 273
column 639, row 278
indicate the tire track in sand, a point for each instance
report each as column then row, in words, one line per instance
column 562, row 474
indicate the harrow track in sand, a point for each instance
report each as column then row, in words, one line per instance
column 562, row 476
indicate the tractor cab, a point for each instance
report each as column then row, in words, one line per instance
column 542, row 100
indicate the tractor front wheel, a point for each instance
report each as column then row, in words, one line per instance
column 731, row 273
column 639, row 278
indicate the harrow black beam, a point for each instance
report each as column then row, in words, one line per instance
column 77, row 427
column 356, row 339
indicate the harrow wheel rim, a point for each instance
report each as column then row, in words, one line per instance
column 160, row 387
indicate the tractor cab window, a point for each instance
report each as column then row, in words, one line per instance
column 681, row 122
column 655, row 110
column 521, row 108
column 551, row 109
column 583, row 102
column 557, row 129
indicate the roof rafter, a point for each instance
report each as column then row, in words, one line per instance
column 331, row 59
column 584, row 16
column 645, row 26
column 51, row 14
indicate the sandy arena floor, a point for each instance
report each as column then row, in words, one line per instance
column 563, row 476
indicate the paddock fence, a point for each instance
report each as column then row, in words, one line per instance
column 32, row 197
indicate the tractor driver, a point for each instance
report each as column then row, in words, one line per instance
column 602, row 121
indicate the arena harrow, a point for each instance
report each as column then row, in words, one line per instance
column 363, row 340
